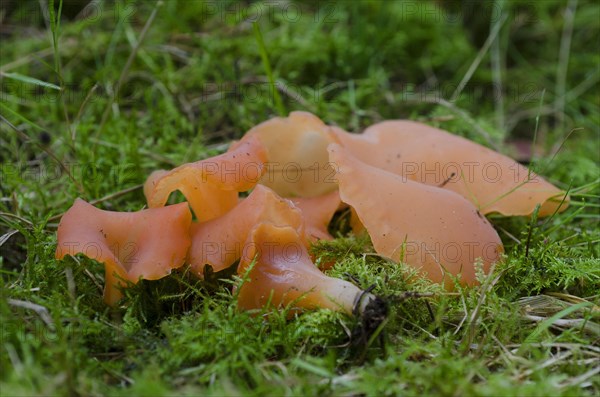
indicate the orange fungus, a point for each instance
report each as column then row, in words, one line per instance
column 317, row 213
column 220, row 241
column 282, row 273
column 146, row 244
column 434, row 230
column 491, row 181
column 298, row 163
column 210, row 186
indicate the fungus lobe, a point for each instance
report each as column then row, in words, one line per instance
column 434, row 230
column 146, row 244
column 221, row 241
column 298, row 163
column 284, row 275
column 491, row 181
column 211, row 186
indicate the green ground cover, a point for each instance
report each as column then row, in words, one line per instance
column 93, row 99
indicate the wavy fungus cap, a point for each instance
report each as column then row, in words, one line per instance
column 220, row 241
column 146, row 244
column 298, row 163
column 491, row 181
column 211, row 186
column 434, row 230
column 284, row 275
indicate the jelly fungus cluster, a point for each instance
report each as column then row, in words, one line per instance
column 419, row 192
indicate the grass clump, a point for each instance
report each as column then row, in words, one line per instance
column 130, row 102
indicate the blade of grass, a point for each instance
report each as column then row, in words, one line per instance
column 475, row 64
column 563, row 61
column 497, row 67
column 267, row 65
column 535, row 134
column 29, row 80
column 127, row 66
column 54, row 27
column 22, row 118
column 544, row 325
column 45, row 149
